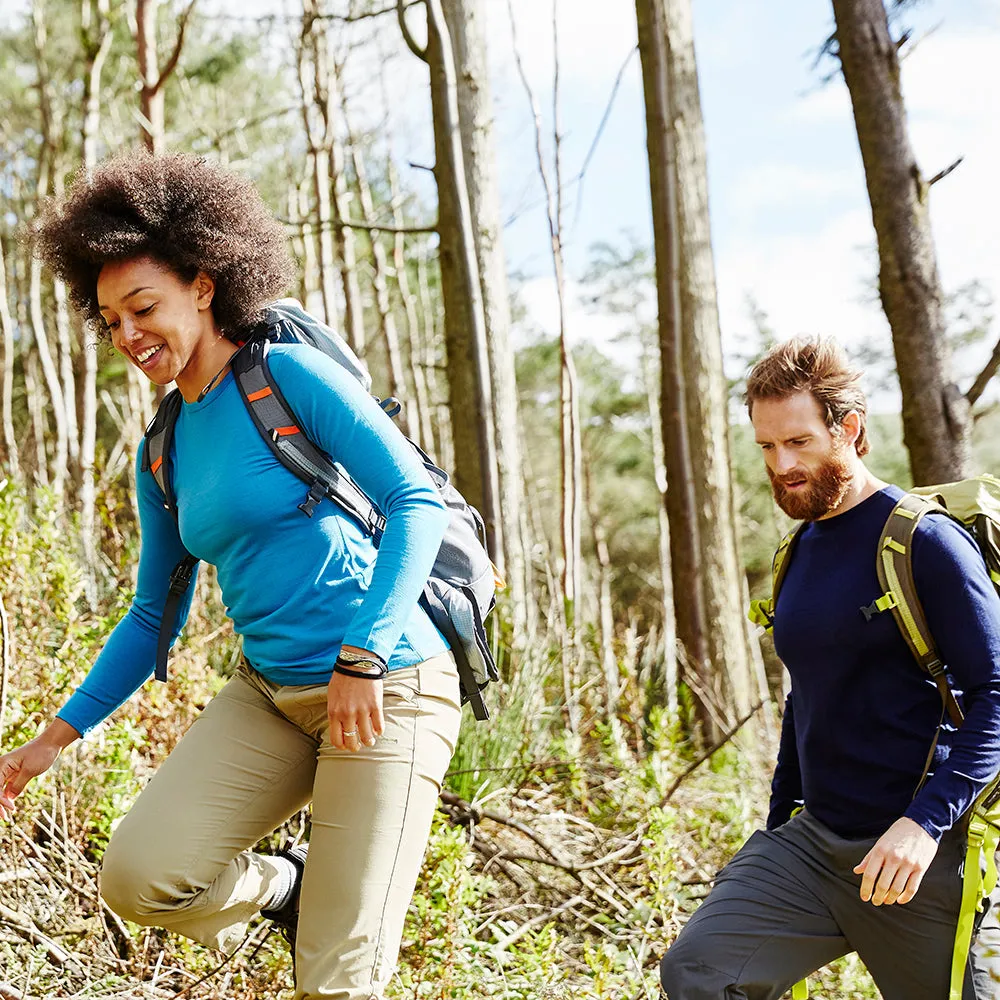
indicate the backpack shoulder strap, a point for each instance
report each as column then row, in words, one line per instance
column 159, row 438
column 279, row 427
column 762, row 611
column 894, row 565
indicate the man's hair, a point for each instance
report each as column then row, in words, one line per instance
column 185, row 212
column 819, row 367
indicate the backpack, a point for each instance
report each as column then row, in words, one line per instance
column 974, row 504
column 461, row 589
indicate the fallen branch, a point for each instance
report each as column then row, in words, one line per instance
column 711, row 751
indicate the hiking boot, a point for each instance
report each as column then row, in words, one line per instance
column 286, row 917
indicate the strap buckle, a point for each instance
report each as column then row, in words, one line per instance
column 316, row 493
column 180, row 577
column 886, row 602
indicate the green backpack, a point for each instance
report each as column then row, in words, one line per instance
column 975, row 504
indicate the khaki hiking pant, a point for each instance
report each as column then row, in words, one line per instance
column 182, row 858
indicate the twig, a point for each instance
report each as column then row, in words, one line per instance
column 420, row 51
column 543, row 918
column 978, row 387
column 600, row 131
column 5, row 664
column 58, row 955
column 691, row 768
column 942, row 174
column 353, row 224
column 8, row 992
column 477, row 815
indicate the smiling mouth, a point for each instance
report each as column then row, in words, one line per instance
column 145, row 358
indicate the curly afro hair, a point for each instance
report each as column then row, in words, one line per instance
column 187, row 213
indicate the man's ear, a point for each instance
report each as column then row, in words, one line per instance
column 204, row 288
column 851, row 427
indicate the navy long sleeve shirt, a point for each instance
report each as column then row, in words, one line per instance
column 861, row 715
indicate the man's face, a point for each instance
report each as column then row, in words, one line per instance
column 810, row 466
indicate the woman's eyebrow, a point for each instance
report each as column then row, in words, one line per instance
column 135, row 291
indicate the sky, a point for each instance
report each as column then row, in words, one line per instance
column 790, row 217
column 791, row 223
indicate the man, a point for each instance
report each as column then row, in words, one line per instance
column 872, row 862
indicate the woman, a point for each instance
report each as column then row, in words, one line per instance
column 347, row 694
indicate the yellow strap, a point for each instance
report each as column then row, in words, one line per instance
column 887, row 601
column 972, row 895
column 910, row 515
column 800, row 991
column 905, row 613
column 891, row 543
column 762, row 613
column 991, row 841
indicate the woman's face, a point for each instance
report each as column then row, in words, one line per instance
column 157, row 320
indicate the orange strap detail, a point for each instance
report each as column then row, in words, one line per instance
column 285, row 431
column 154, row 468
column 259, row 394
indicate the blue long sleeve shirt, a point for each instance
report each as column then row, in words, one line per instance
column 295, row 587
column 861, row 715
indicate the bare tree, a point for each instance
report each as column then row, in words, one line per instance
column 380, row 282
column 95, row 37
column 7, row 328
column 416, row 352
column 569, row 404
column 319, row 92
column 663, row 688
column 50, row 127
column 706, row 394
column 680, row 496
column 466, row 23
column 152, row 76
column 470, row 390
column 936, row 415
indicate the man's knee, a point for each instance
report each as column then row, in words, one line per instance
column 685, row 974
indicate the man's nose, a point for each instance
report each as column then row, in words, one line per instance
column 784, row 461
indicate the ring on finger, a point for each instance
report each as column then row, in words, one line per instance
column 353, row 732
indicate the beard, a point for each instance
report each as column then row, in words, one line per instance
column 823, row 492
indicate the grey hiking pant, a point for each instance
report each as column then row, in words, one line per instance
column 789, row 903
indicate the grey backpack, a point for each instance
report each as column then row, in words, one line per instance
column 461, row 589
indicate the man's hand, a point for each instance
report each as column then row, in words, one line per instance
column 898, row 862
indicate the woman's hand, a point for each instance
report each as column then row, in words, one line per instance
column 354, row 706
column 35, row 757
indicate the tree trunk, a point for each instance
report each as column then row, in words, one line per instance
column 466, row 22
column 423, row 428
column 433, row 348
column 605, row 612
column 383, row 304
column 151, row 94
column 663, row 687
column 46, row 166
column 10, row 455
column 705, row 384
column 680, row 496
column 936, row 418
column 470, row 391
column 96, row 38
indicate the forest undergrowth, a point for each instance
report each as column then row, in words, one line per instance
column 560, row 864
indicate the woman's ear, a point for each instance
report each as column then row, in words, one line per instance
column 204, row 289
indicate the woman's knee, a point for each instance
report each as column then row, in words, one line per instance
column 133, row 882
